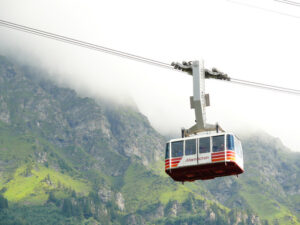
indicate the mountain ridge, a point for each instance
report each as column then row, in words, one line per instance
column 94, row 163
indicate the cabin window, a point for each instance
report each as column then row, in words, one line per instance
column 230, row 142
column 238, row 147
column 177, row 149
column 190, row 147
column 167, row 150
column 204, row 145
column 241, row 149
column 218, row 143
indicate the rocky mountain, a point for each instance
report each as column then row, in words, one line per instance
column 67, row 159
column 270, row 185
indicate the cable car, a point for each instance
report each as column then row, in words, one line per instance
column 203, row 152
column 204, row 157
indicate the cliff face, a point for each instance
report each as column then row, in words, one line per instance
column 77, row 160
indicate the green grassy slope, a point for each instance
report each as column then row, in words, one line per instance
column 25, row 177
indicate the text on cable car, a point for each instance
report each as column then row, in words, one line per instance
column 195, row 159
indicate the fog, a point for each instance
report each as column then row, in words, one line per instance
column 245, row 42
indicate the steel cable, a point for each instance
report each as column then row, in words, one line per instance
column 264, row 86
column 83, row 44
column 128, row 55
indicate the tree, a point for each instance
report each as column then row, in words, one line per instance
column 87, row 212
column 73, row 194
column 67, row 207
column 3, row 203
column 52, row 197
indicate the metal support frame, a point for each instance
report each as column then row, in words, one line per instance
column 199, row 100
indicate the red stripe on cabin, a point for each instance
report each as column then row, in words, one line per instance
column 218, row 153
column 230, row 152
column 231, row 158
column 177, row 158
column 173, row 158
column 218, row 160
column 219, row 156
column 173, row 163
column 216, row 156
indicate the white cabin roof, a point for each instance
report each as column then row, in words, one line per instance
column 208, row 134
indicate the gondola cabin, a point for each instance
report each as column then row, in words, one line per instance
column 204, row 157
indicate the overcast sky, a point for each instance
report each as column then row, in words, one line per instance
column 251, row 40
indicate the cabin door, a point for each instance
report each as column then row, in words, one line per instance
column 190, row 153
column 204, row 150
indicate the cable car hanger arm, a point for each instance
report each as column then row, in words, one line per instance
column 199, row 100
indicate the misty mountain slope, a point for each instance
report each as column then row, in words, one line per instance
column 270, row 185
column 84, row 159
column 88, row 161
column 58, row 115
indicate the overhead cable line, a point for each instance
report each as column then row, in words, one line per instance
column 262, row 8
column 288, row 2
column 264, row 86
column 132, row 56
column 83, row 44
